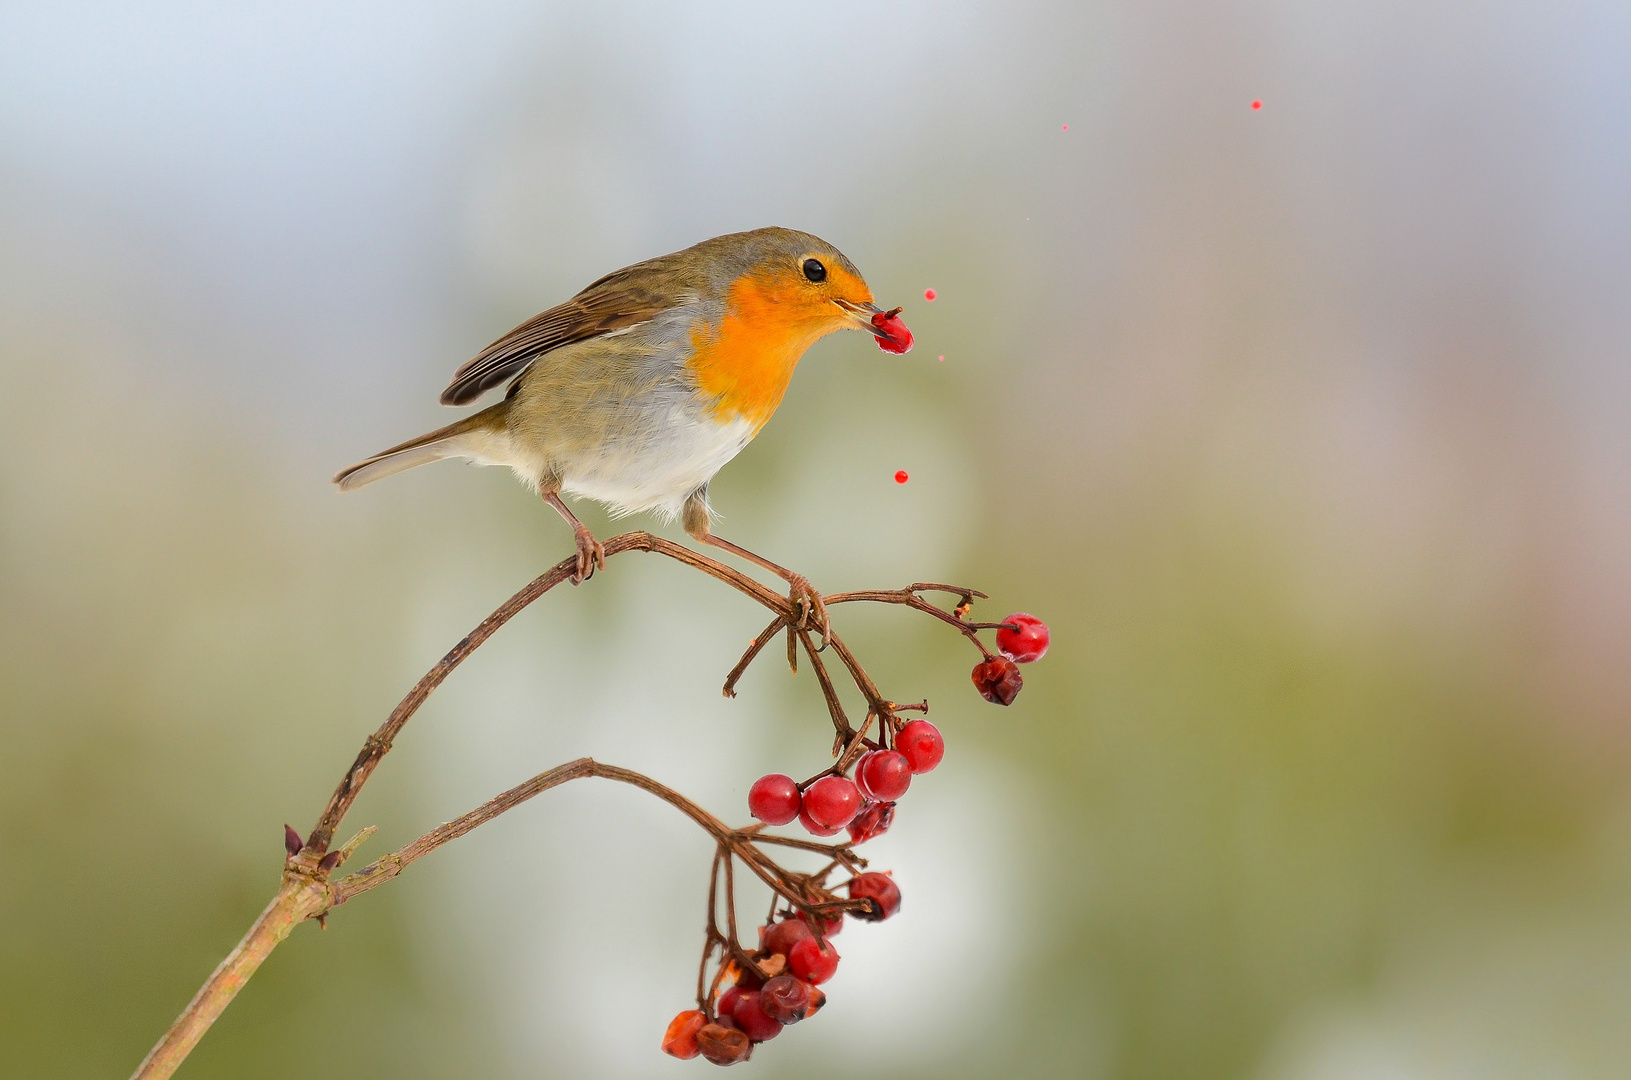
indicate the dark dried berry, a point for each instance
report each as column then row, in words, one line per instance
column 723, row 1043
column 873, row 820
column 998, row 680
column 785, row 999
column 881, row 890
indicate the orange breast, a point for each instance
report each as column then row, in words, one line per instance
column 748, row 360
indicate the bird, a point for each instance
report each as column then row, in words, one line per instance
column 638, row 390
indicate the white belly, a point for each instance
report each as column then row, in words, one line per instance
column 663, row 468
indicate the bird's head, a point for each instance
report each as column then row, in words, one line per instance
column 793, row 283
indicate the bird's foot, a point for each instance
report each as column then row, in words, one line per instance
column 591, row 554
column 807, row 604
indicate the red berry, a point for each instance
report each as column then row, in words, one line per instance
column 750, row 1016
column 784, row 935
column 812, row 828
column 727, row 1001
column 723, row 1042
column 998, row 680
column 785, row 999
column 896, row 338
column 901, row 477
column 881, row 890
column 1257, row 104
column 812, row 963
column 831, row 802
column 920, row 741
column 885, row 774
column 774, row 799
column 680, row 1040
column 1026, row 644
column 873, row 820
column 928, row 294
column 828, row 925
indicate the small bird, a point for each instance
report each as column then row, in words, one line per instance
column 640, row 388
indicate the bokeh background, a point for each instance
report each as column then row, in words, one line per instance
column 1306, row 429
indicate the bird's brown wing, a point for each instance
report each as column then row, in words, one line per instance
column 619, row 300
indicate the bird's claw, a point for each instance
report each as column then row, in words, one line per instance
column 591, row 555
column 807, row 604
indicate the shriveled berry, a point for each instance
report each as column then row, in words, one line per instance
column 726, row 1005
column 1026, row 644
column 873, row 820
column 998, row 680
column 774, row 799
column 812, row 963
column 785, row 999
column 723, row 1042
column 881, row 890
column 751, row 1017
column 886, row 774
column 784, row 935
column 920, row 741
column 831, row 802
column 680, row 1040
column 896, row 338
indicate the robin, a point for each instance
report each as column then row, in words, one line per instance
column 640, row 388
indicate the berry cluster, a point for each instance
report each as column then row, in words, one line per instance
column 865, row 804
column 780, row 983
column 783, row 985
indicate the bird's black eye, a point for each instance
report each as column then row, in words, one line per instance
column 814, row 270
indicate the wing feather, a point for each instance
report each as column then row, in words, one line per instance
column 618, row 301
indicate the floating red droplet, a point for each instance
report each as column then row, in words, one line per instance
column 929, row 295
column 900, row 477
column 1257, row 104
column 1064, row 127
column 941, row 358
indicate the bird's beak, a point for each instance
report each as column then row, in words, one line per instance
column 860, row 316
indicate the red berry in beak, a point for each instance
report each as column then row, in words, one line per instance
column 998, row 680
column 896, row 338
column 1027, row 643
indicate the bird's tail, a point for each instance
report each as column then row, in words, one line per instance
column 472, row 437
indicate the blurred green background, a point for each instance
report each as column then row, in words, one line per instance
column 1305, row 429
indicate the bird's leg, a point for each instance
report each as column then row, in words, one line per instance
column 590, row 552
column 812, row 612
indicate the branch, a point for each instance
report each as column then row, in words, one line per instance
column 306, row 891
